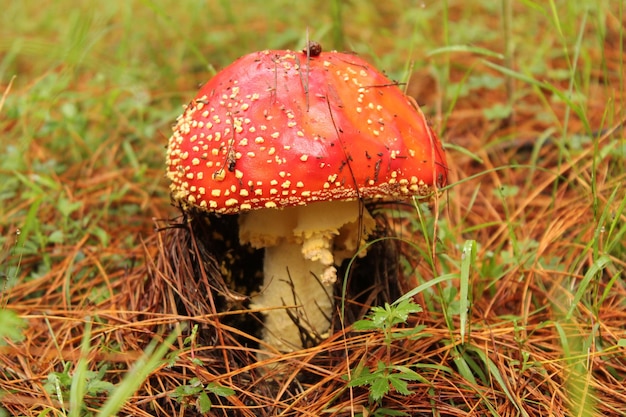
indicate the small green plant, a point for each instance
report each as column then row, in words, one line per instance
column 152, row 359
column 382, row 412
column 196, row 393
column 76, row 381
column 11, row 327
column 385, row 319
column 383, row 378
column 59, row 384
column 387, row 376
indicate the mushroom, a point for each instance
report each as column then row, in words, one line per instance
column 294, row 142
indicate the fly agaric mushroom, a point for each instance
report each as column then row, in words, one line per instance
column 293, row 142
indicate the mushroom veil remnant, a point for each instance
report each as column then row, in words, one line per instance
column 293, row 142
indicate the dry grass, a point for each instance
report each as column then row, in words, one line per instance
column 542, row 211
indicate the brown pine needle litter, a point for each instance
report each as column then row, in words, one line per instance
column 96, row 266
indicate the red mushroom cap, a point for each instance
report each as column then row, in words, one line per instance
column 280, row 128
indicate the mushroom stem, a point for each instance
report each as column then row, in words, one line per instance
column 293, row 284
column 302, row 247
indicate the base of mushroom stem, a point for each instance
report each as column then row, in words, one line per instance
column 297, row 306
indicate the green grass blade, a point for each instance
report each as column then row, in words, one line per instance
column 593, row 271
column 145, row 365
column 495, row 373
column 467, row 49
column 79, row 379
column 463, row 366
column 468, row 259
column 424, row 286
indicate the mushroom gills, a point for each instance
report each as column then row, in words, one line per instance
column 302, row 247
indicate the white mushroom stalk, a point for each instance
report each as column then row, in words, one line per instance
column 302, row 246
